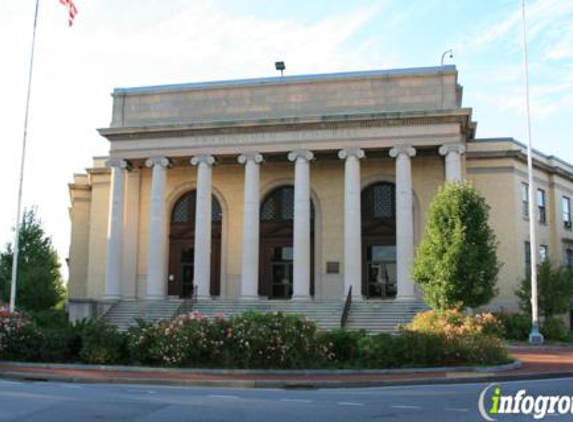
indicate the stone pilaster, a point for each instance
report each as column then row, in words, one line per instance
column 404, row 220
column 301, row 247
column 251, row 225
column 352, row 221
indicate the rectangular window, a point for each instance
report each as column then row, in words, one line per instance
column 566, row 205
column 569, row 258
column 543, row 253
column 525, row 200
column 541, row 205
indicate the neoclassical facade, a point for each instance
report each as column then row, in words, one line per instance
column 299, row 188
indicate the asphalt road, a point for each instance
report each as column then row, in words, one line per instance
column 53, row 401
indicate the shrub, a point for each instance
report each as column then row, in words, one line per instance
column 555, row 285
column 452, row 322
column 554, row 329
column 19, row 339
column 101, row 343
column 344, row 345
column 516, row 326
column 456, row 263
column 143, row 342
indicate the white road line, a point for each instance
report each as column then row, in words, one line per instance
column 222, row 396
column 297, row 400
column 70, row 386
column 406, row 407
column 11, row 382
column 349, row 403
column 453, row 409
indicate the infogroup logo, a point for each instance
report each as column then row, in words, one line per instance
column 493, row 403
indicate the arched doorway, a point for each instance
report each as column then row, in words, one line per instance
column 182, row 247
column 276, row 257
column 378, row 205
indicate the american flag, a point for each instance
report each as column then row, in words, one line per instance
column 72, row 10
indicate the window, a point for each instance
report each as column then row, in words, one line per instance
column 569, row 258
column 525, row 200
column 541, row 205
column 543, row 253
column 566, row 205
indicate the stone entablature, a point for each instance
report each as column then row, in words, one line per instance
column 432, row 88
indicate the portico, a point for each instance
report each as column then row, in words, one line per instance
column 294, row 188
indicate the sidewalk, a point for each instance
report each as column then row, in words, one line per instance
column 544, row 362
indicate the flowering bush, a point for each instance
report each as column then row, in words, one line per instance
column 453, row 323
column 19, row 340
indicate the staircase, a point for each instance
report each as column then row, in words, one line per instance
column 375, row 316
column 326, row 313
column 382, row 316
column 124, row 313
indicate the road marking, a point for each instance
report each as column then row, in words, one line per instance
column 71, row 387
column 222, row 396
column 453, row 409
column 297, row 400
column 11, row 382
column 349, row 403
column 405, row 407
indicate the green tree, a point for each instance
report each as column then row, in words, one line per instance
column 456, row 263
column 555, row 285
column 39, row 283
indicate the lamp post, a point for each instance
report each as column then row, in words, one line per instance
column 451, row 56
column 535, row 337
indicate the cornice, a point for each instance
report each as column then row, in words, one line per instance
column 361, row 120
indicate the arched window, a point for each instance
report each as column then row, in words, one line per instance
column 184, row 209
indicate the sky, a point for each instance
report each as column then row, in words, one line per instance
column 126, row 43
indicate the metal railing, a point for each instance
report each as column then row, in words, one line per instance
column 346, row 309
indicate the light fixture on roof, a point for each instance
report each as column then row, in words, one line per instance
column 451, row 56
column 280, row 66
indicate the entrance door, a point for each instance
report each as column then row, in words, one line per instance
column 182, row 248
column 276, row 245
column 381, row 271
column 281, row 272
column 379, row 241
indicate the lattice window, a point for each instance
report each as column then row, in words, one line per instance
column 216, row 213
column 383, row 203
column 279, row 205
column 268, row 211
column 287, row 199
column 181, row 211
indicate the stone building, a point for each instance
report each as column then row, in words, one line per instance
column 293, row 189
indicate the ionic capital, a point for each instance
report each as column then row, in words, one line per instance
column 406, row 150
column 158, row 161
column 119, row 163
column 202, row 159
column 250, row 156
column 304, row 154
column 345, row 153
column 447, row 148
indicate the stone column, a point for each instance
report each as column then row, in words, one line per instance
column 203, row 204
column 352, row 221
column 404, row 220
column 453, row 156
column 131, row 236
column 251, row 223
column 301, row 247
column 156, row 257
column 115, row 228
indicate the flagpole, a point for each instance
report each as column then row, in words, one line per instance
column 22, row 166
column 535, row 337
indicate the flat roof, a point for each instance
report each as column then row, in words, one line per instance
column 287, row 79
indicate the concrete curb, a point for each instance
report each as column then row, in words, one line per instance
column 452, row 376
column 515, row 364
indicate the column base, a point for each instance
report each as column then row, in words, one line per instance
column 154, row 297
column 111, row 298
column 302, row 298
column 205, row 298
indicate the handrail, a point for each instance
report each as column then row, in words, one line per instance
column 346, row 310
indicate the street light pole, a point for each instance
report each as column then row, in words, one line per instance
column 535, row 337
